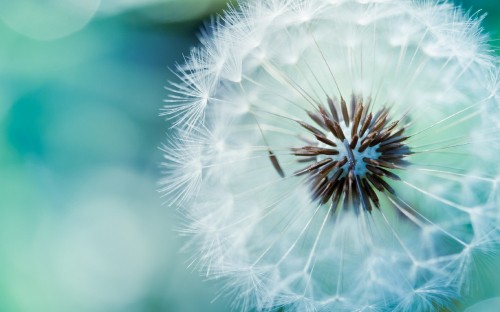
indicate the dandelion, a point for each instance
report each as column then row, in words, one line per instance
column 339, row 155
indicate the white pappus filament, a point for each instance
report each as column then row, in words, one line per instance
column 338, row 155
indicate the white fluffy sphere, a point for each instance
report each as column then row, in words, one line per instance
column 338, row 155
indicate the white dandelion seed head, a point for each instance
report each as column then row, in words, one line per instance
column 338, row 155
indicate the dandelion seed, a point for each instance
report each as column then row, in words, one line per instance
column 339, row 155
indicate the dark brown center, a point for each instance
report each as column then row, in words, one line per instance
column 352, row 153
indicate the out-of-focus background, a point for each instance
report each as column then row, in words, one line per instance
column 82, row 227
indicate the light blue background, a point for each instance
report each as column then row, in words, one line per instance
column 82, row 227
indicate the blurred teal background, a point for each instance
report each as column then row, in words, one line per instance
column 82, row 227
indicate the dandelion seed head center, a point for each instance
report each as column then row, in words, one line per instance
column 355, row 149
column 360, row 165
